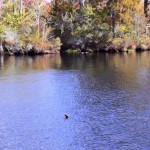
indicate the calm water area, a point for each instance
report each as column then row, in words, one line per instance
column 106, row 96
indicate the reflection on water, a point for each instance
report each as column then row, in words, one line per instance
column 106, row 97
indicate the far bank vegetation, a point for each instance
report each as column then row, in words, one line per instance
column 41, row 27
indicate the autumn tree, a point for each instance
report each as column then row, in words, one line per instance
column 147, row 8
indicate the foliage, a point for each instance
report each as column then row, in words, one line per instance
column 23, row 23
column 93, row 23
column 71, row 51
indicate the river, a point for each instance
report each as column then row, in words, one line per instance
column 106, row 96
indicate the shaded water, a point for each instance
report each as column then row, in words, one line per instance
column 107, row 98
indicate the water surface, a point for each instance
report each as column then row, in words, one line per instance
column 107, row 98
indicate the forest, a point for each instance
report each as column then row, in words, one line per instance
column 78, row 26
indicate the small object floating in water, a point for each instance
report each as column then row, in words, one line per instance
column 66, row 116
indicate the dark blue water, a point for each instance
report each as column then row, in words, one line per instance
column 107, row 99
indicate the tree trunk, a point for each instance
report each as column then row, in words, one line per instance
column 56, row 4
column 38, row 23
column 21, row 6
column 14, row 7
column 71, row 2
column 113, row 16
column 146, row 3
column 1, row 46
column 81, row 2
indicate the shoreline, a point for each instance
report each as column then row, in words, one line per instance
column 15, row 50
column 71, row 52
